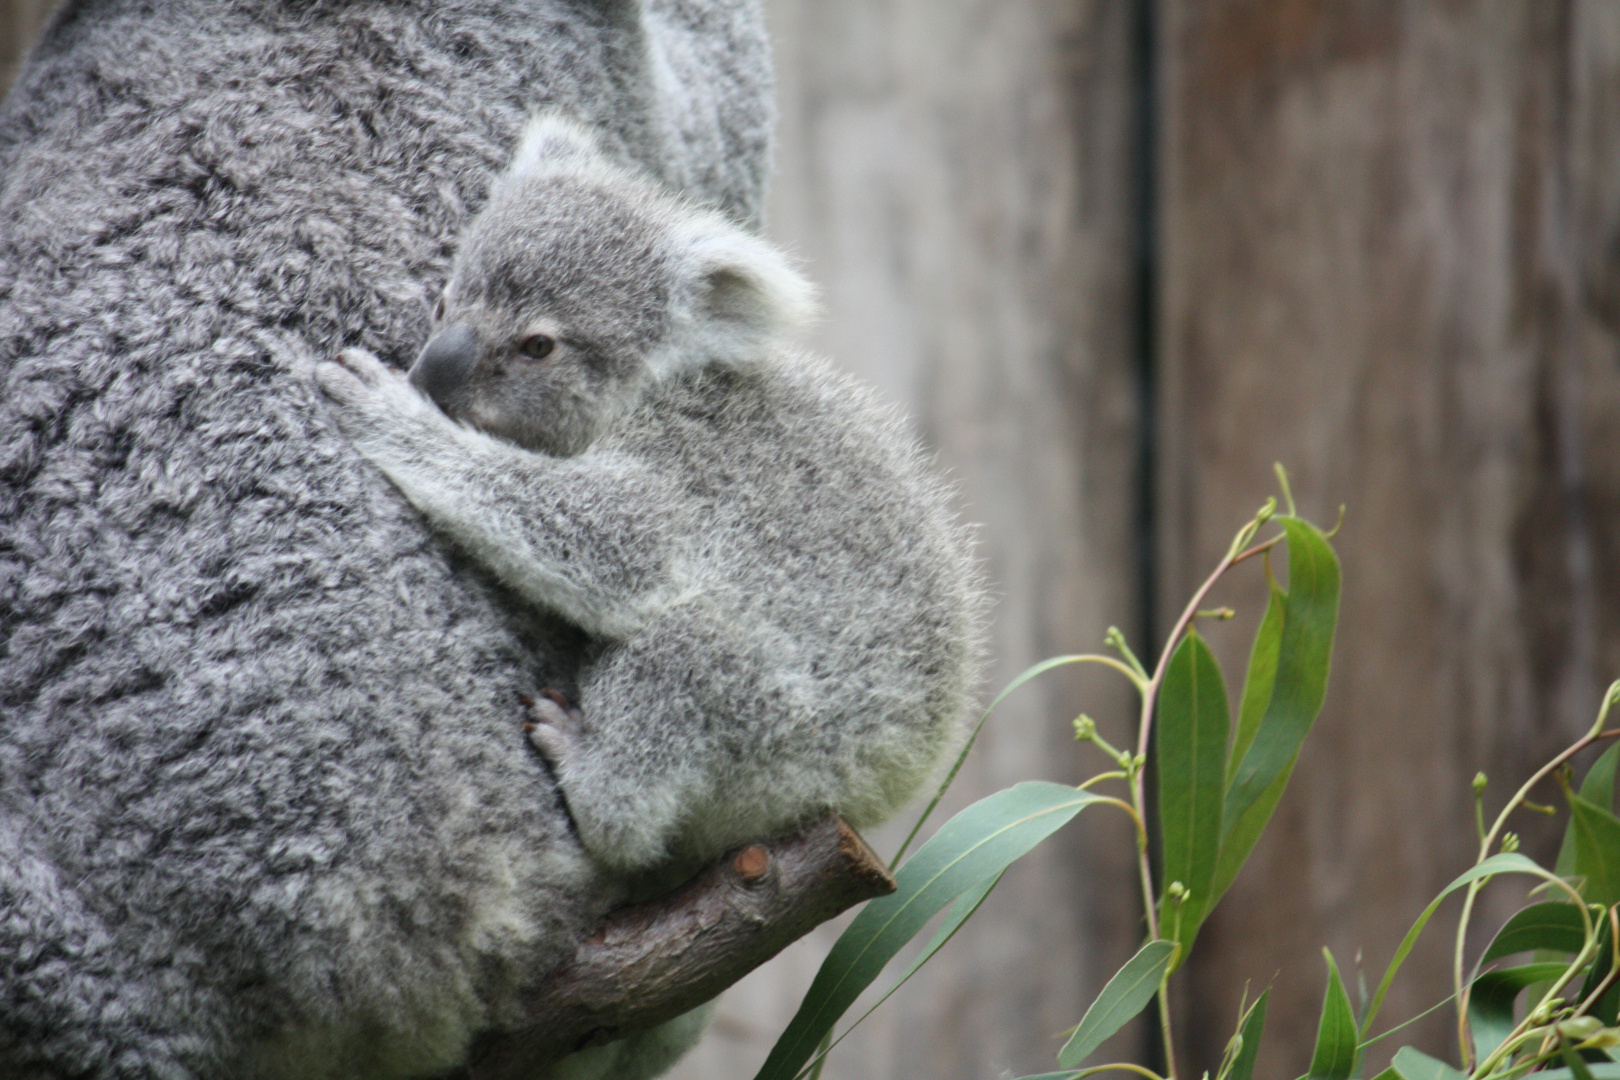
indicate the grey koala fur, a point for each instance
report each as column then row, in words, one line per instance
column 265, row 805
column 785, row 610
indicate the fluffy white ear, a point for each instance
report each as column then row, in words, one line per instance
column 736, row 297
column 554, row 142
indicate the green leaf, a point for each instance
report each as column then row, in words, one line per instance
column 1388, row 1074
column 1552, row 924
column 1600, row 1070
column 961, row 911
column 1416, row 1065
column 1191, row 759
column 1598, row 785
column 1243, row 834
column 1310, row 612
column 1261, row 676
column 1505, row 863
column 1239, row 837
column 1597, row 850
column 973, row 736
column 1250, row 1030
column 1126, row 994
column 1596, row 788
column 1491, row 998
column 1304, row 651
column 973, row 847
column 1577, row 1067
column 1336, row 1043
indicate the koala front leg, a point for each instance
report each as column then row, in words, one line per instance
column 585, row 538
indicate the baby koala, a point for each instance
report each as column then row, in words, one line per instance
column 609, row 417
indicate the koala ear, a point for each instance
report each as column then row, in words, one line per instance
column 735, row 298
column 554, row 142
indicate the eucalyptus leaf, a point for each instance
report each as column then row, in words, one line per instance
column 1416, row 1065
column 1304, row 651
column 1336, row 1038
column 1310, row 611
column 1597, row 788
column 1504, row 863
column 970, row 849
column 1250, row 1030
column 973, row 736
column 1491, row 998
column 1553, row 924
column 1238, row 836
column 960, row 912
column 1190, row 753
column 1126, row 994
column 1600, row 1070
column 1577, row 1066
column 1260, row 677
column 1597, row 850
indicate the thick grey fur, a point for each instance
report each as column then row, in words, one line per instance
column 266, row 807
column 784, row 612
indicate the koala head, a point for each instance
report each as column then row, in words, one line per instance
column 581, row 285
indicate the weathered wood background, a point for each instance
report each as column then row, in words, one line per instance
column 1379, row 242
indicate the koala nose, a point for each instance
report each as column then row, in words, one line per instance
column 446, row 363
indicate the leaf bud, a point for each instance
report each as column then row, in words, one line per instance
column 1577, row 1028
column 1085, row 728
column 1510, row 842
column 1479, row 784
column 1544, row 1011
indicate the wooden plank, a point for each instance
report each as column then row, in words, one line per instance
column 1389, row 262
column 20, row 23
column 956, row 176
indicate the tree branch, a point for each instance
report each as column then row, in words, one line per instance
column 653, row 961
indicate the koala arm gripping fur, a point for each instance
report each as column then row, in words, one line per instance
column 580, row 538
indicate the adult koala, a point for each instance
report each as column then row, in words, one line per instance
column 266, row 808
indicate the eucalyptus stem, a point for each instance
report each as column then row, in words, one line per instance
column 1459, row 987
column 1119, row 1066
column 1528, row 1028
column 1238, row 550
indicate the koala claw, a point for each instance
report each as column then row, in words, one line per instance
column 338, row 383
column 553, row 725
column 371, row 395
column 364, row 366
column 351, row 375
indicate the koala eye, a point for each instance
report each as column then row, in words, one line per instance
column 537, row 346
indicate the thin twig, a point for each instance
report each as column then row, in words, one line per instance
column 1150, row 696
column 1459, row 987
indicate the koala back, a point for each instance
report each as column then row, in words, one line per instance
column 812, row 511
column 260, row 757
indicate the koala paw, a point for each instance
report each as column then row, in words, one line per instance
column 623, row 819
column 553, row 726
column 371, row 398
column 351, row 376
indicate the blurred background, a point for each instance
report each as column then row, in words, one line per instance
column 1117, row 257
